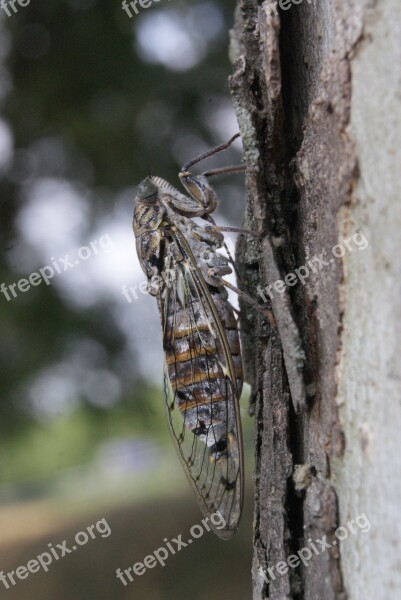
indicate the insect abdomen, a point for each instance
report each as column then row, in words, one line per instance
column 197, row 375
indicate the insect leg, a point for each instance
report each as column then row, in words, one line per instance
column 211, row 152
column 230, row 258
column 266, row 313
column 235, row 229
column 223, row 170
column 235, row 310
column 198, row 186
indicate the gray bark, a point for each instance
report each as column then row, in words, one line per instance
column 317, row 95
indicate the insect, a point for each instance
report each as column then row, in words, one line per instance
column 203, row 373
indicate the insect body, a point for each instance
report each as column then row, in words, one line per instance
column 203, row 376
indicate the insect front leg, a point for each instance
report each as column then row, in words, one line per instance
column 198, row 186
column 200, row 190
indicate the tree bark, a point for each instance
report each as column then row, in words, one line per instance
column 316, row 89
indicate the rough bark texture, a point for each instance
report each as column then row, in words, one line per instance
column 317, row 94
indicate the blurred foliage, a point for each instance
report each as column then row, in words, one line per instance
column 90, row 99
column 78, row 81
column 40, row 452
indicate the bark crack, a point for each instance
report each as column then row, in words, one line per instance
column 292, row 93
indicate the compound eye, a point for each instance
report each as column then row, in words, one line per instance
column 147, row 191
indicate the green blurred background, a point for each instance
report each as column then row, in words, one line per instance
column 89, row 99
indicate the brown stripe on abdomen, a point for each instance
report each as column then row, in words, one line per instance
column 188, row 346
column 195, row 355
column 198, row 369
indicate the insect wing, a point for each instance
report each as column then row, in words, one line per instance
column 201, row 397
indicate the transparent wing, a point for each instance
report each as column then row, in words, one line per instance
column 202, row 395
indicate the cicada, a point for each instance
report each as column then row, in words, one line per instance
column 184, row 266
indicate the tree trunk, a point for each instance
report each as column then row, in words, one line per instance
column 316, row 88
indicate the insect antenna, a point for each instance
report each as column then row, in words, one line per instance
column 148, row 163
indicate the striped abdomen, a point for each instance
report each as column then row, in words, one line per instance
column 198, row 368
